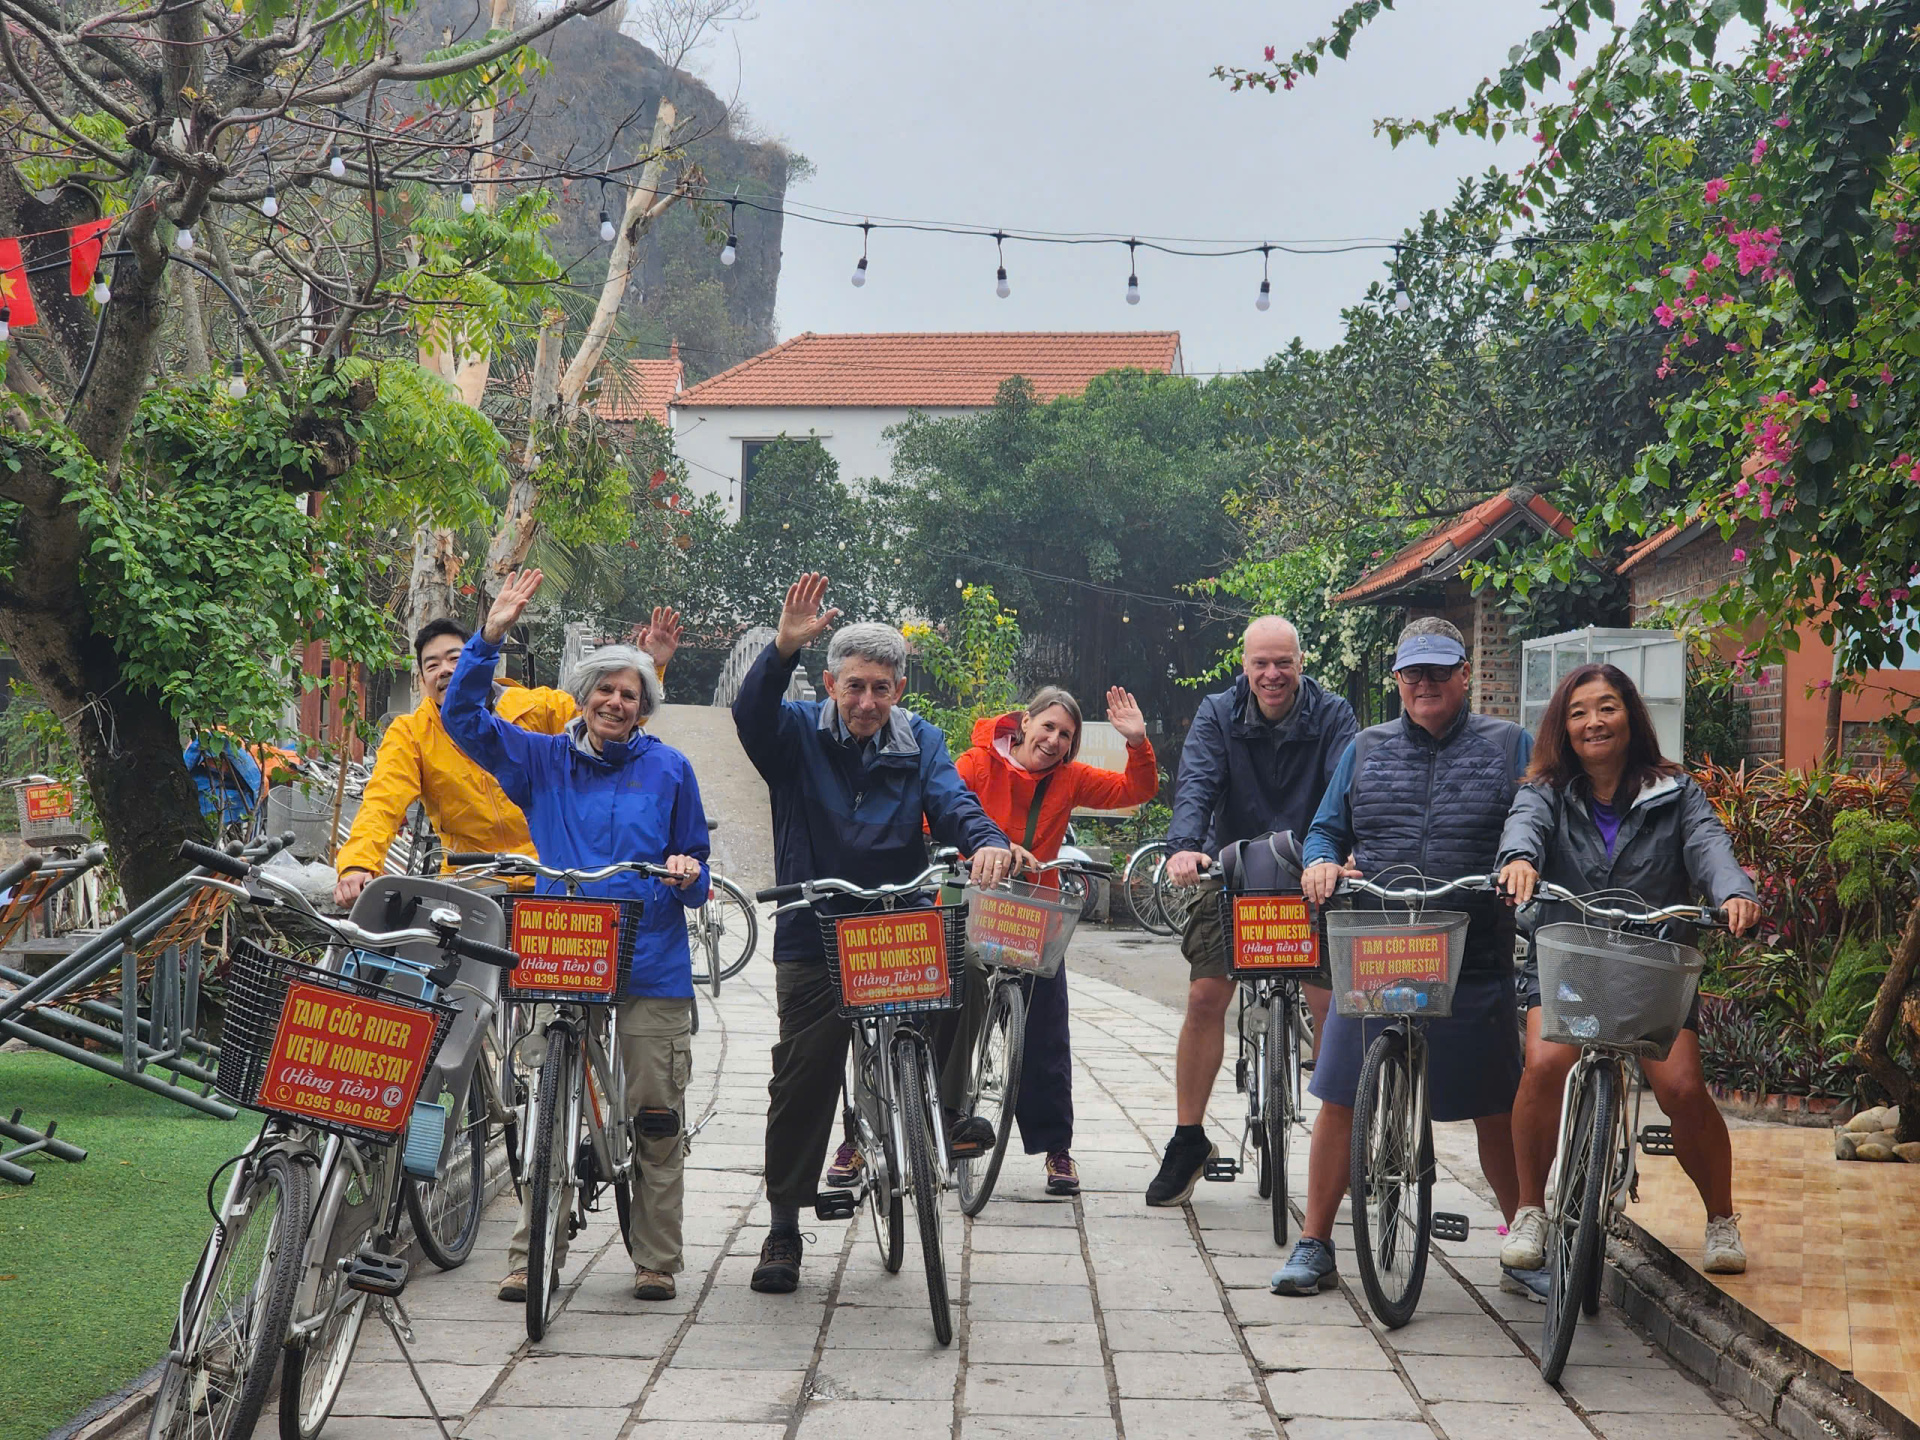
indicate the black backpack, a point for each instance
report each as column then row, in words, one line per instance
column 1266, row 862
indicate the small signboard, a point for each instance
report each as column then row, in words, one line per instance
column 49, row 802
column 1417, row 956
column 347, row 1059
column 567, row 948
column 1011, row 931
column 896, row 957
column 1275, row 932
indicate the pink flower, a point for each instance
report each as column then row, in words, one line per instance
column 1823, row 686
column 1914, row 475
column 1886, row 376
column 1819, row 387
column 1754, row 199
column 1759, row 150
column 1270, row 53
column 1773, row 70
column 1735, row 348
column 1715, row 189
column 1711, row 260
column 1853, row 401
column 1664, row 314
column 1780, row 122
column 1539, row 137
column 1740, row 490
column 1739, row 556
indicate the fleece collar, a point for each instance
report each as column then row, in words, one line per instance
column 614, row 752
column 896, row 737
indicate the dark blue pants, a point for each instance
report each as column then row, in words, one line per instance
column 1045, row 1107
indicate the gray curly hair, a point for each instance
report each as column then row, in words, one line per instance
column 596, row 665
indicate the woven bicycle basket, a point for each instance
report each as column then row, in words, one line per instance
column 1603, row 987
column 630, row 912
column 952, row 923
column 1392, row 962
column 257, row 987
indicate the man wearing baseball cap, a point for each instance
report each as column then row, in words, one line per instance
column 1422, row 795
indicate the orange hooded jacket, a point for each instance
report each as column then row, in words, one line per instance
column 1006, row 791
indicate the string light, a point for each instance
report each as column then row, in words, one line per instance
column 1133, row 277
column 237, row 380
column 270, row 205
column 101, row 292
column 184, row 240
column 1264, row 300
column 467, row 201
column 606, row 224
column 336, row 165
column 1000, row 286
column 731, row 250
column 6, row 330
column 1402, row 301
column 860, row 270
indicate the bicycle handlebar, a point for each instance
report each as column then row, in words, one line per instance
column 1695, row 914
column 945, row 866
column 511, row 864
column 207, row 857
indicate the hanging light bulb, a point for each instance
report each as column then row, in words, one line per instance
column 860, row 270
column 466, row 197
column 731, row 250
column 1180, row 625
column 606, row 227
column 101, row 292
column 1000, row 286
column 1133, row 278
column 6, row 330
column 336, row 166
column 236, row 380
column 1402, row 301
column 184, row 240
column 958, row 583
column 270, row 205
column 1264, row 300
column 1125, row 618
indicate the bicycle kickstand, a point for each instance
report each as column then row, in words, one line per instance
column 395, row 1315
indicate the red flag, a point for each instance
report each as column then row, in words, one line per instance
column 14, row 294
column 84, row 254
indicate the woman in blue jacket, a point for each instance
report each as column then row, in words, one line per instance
column 605, row 790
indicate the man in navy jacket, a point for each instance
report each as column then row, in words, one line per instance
column 855, row 784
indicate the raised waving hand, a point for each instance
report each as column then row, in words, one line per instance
column 801, row 619
column 661, row 637
column 1123, row 713
column 506, row 611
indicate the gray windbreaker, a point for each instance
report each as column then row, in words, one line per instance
column 1671, row 848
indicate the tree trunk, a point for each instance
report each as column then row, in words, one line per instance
column 1871, row 1048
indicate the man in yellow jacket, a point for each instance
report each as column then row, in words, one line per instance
column 419, row 761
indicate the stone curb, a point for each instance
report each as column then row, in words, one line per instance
column 1737, row 1354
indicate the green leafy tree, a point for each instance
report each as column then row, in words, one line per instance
column 972, row 660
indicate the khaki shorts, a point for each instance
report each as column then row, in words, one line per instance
column 1204, row 942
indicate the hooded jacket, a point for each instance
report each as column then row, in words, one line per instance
column 1241, row 777
column 632, row 800
column 1671, row 848
column 848, row 811
column 418, row 760
column 1006, row 791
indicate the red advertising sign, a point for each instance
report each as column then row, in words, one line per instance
column 1274, row 932
column 49, row 802
column 347, row 1058
column 1419, row 956
column 1010, row 931
column 566, row 946
column 895, row 957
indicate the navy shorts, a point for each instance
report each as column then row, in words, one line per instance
column 1473, row 1060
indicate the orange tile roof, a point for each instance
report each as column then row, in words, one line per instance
column 931, row 370
column 1438, row 553
column 632, row 388
column 1648, row 548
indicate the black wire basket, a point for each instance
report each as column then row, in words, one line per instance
column 607, row 991
column 259, row 984
column 1314, row 973
column 950, row 925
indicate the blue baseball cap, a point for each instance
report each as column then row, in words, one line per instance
column 1428, row 650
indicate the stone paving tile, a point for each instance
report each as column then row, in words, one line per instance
column 694, row 1430
column 1017, row 1427
column 1031, row 1342
column 381, row 1387
column 569, row 1380
column 455, row 1342
column 760, row 1396
column 1501, row 1380
column 1036, row 1390
column 1549, row 1420
column 1318, row 1429
column 1189, row 1331
column 1452, row 1335
column 1024, row 1240
column 640, row 1337
column 1188, row 1420
column 1066, row 1269
column 506, row 1422
column 1656, row 1392
column 1341, row 1395
column 1030, row 1302
column 1317, row 1347
column 713, row 1346
column 886, row 1375
column 1615, row 1426
column 877, row 1420
column 1172, row 1376
column 887, row 1327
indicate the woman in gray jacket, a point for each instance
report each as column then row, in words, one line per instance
column 1603, row 810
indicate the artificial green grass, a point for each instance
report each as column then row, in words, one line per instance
column 93, row 1256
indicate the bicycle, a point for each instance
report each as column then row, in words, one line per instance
column 579, row 1136
column 1138, row 884
column 308, row 1232
column 1617, row 996
column 723, row 933
column 890, row 965
column 1403, row 965
column 1014, row 932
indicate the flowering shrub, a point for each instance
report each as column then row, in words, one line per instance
column 972, row 660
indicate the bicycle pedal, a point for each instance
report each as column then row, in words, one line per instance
column 1449, row 1226
column 835, row 1205
column 377, row 1274
column 1656, row 1140
column 657, row 1123
column 1222, row 1167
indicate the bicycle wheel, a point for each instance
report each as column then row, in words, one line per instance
column 925, row 1176
column 549, row 1167
column 1281, row 1042
column 1251, row 1070
column 1136, row 883
column 1573, row 1223
column 994, row 1089
column 724, row 931
column 1392, row 1181
column 885, row 1204
column 446, row 1209
column 352, row 1208
column 239, row 1306
column 1174, row 902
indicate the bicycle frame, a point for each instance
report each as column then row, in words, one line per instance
column 875, row 1040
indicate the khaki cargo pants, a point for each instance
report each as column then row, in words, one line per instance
column 655, row 1037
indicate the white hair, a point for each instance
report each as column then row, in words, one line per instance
column 596, row 665
column 882, row 644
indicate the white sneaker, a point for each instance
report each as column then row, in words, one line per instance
column 1526, row 1247
column 1725, row 1255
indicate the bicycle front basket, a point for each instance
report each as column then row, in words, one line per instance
column 895, row 962
column 1396, row 962
column 1603, row 987
column 1022, row 927
column 331, row 1051
column 572, row 951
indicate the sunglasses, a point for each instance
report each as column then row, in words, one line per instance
column 1426, row 674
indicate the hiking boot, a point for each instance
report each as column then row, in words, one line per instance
column 1532, row 1281
column 1063, row 1176
column 652, row 1284
column 970, row 1137
column 1308, row 1271
column 1725, row 1255
column 1180, row 1170
column 844, row 1172
column 778, row 1272
column 513, row 1286
column 1526, row 1246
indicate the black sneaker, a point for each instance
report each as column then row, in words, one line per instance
column 1180, row 1171
column 778, row 1272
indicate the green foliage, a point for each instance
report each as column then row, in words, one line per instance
column 1847, row 998
column 470, row 278
column 582, row 480
column 1718, row 717
column 972, row 661
column 1875, row 856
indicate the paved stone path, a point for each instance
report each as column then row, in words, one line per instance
column 1074, row 1321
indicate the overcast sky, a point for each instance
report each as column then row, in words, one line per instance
column 1077, row 116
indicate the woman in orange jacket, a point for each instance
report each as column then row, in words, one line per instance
column 1023, row 766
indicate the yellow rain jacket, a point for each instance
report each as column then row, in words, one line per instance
column 466, row 806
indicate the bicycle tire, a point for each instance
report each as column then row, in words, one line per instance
column 1006, row 1024
column 1174, row 902
column 730, row 906
column 446, row 1217
column 885, row 1204
column 353, row 1207
column 1249, row 1074
column 910, row 1086
column 1282, row 1041
column 549, row 1166
column 1137, row 883
column 1573, row 1227
column 1389, row 1175
column 220, row 1395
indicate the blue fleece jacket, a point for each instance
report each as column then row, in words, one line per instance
column 635, row 800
